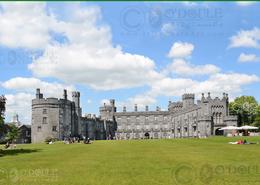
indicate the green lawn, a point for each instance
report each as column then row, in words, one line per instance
column 135, row 162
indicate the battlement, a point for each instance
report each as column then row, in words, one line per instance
column 188, row 96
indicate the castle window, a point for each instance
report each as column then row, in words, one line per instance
column 44, row 120
column 155, row 118
column 54, row 128
column 194, row 128
column 44, row 111
column 39, row 128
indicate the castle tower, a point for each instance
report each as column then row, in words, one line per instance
column 76, row 100
column 188, row 100
column 112, row 103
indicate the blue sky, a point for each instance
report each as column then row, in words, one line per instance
column 137, row 53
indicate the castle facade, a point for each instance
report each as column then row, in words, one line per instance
column 62, row 118
column 182, row 119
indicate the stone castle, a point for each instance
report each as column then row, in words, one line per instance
column 62, row 118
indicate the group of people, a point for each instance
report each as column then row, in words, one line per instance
column 8, row 145
column 72, row 140
column 241, row 142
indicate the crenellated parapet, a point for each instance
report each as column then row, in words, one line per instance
column 175, row 106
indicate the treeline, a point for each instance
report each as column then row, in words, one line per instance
column 247, row 109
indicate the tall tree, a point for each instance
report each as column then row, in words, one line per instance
column 257, row 117
column 13, row 133
column 2, row 110
column 246, row 107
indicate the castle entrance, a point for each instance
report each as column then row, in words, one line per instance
column 219, row 132
column 147, row 135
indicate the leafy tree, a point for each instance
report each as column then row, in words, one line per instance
column 13, row 133
column 257, row 117
column 246, row 107
column 2, row 110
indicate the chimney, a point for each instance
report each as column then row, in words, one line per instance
column 124, row 109
column 146, row 108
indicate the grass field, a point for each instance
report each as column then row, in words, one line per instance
column 135, row 162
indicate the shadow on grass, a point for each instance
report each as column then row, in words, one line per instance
column 16, row 151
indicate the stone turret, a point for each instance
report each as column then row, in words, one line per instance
column 76, row 98
column 112, row 103
column 65, row 96
column 39, row 95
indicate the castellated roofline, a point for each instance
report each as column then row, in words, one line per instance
column 216, row 99
column 188, row 96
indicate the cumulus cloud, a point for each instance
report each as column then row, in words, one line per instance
column 245, row 58
column 184, row 68
column 91, row 59
column 19, row 103
column 180, row 50
column 246, row 38
column 29, row 85
column 24, row 25
column 231, row 83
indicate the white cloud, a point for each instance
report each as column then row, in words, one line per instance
column 20, row 101
column 29, row 85
column 24, row 25
column 181, row 50
column 20, row 104
column 183, row 68
column 231, row 83
column 246, row 38
column 168, row 29
column 245, row 58
column 90, row 58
